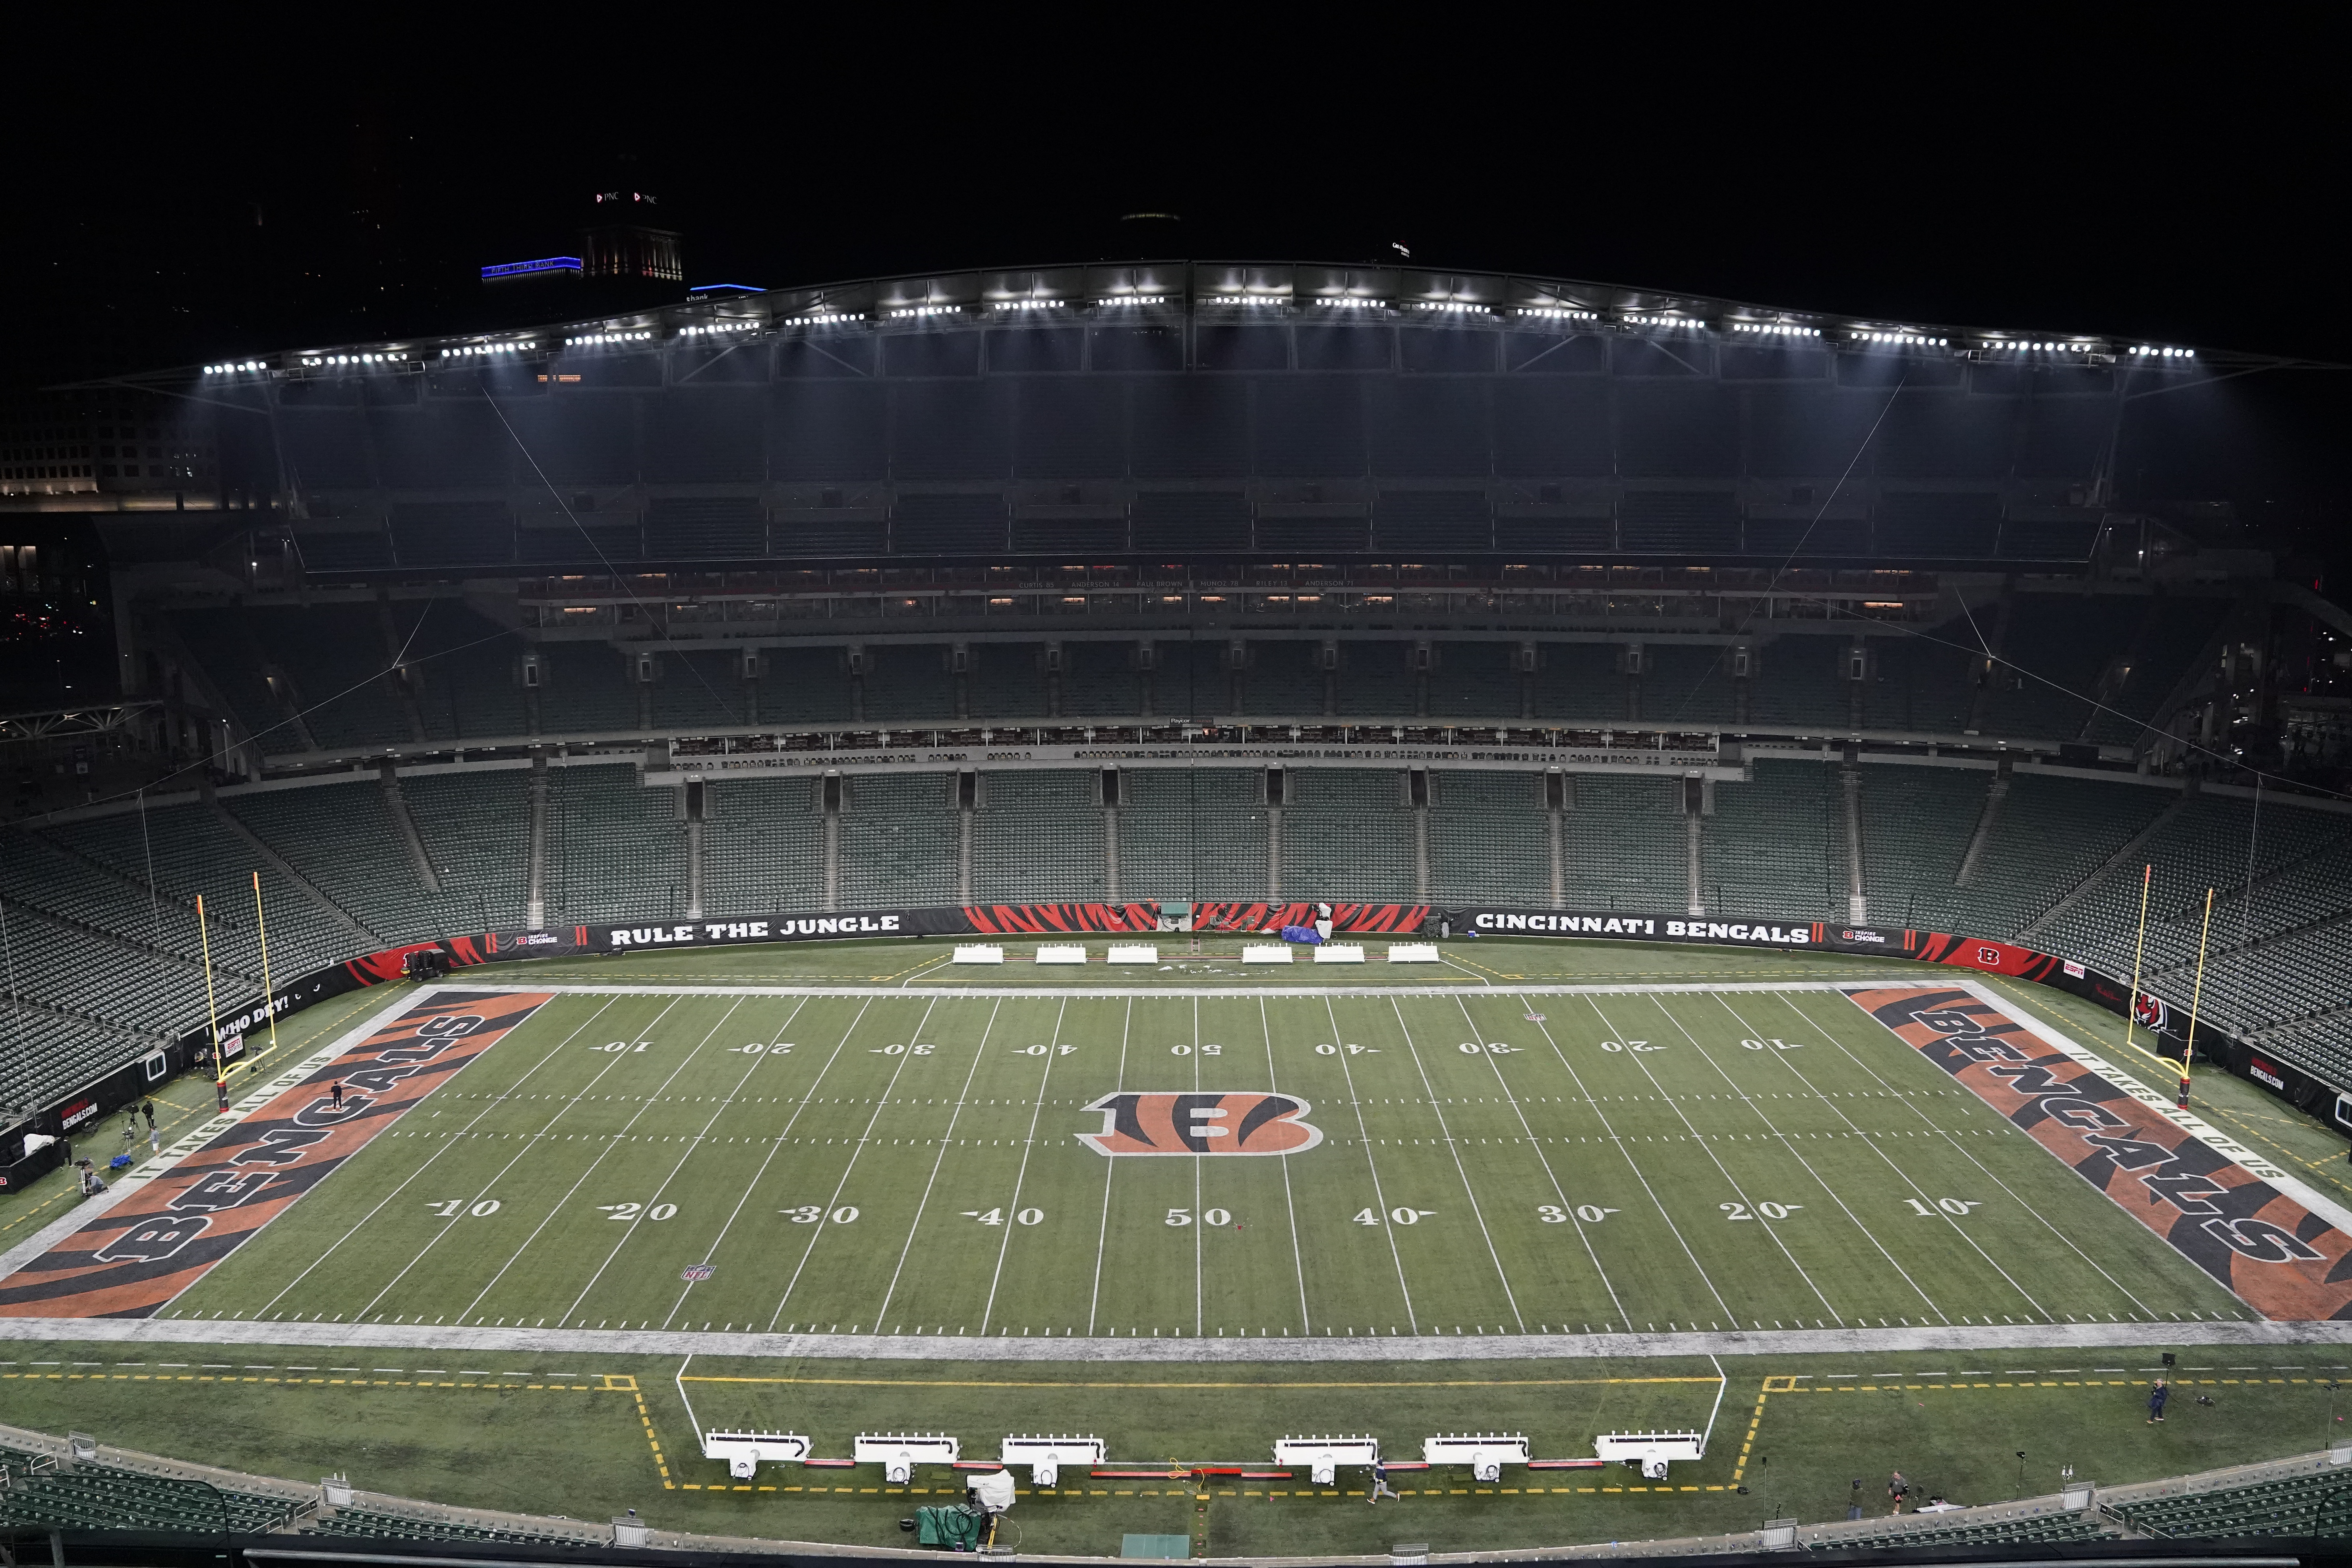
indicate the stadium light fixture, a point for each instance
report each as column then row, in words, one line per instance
column 719, row 327
column 2155, row 352
column 1776, row 329
column 1558, row 314
column 1025, row 304
column 233, row 366
column 1664, row 321
column 826, row 318
column 1455, row 307
column 925, row 311
column 466, row 349
column 1349, row 302
column 1133, row 299
column 592, row 338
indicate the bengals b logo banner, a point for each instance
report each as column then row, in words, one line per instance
column 1170, row 1123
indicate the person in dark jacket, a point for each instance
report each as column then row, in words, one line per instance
column 2156, row 1398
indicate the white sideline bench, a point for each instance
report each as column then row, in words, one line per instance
column 1413, row 952
column 978, row 952
column 1339, row 953
column 1134, row 952
column 1267, row 953
column 1061, row 952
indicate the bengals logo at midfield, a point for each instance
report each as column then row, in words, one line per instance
column 1170, row 1123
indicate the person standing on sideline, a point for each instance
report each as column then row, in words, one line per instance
column 1381, row 1487
column 147, row 1108
column 338, row 1092
column 1897, row 1489
column 2156, row 1398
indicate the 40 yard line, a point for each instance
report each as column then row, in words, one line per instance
column 1364, row 1136
column 1013, row 1214
column 1110, row 1168
column 946, row 1142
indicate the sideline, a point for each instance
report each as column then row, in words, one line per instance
column 1234, row 1350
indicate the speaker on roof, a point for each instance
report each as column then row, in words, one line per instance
column 1743, row 663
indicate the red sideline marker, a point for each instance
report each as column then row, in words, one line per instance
column 1561, row 1464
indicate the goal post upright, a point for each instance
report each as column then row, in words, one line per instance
column 2196, row 995
column 2139, row 949
column 212, row 1008
column 269, row 990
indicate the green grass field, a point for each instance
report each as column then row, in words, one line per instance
column 914, row 1165
column 1488, row 1164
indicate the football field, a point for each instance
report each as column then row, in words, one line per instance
column 1274, row 1163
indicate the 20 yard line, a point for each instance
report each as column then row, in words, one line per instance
column 946, row 1140
column 1012, row 1212
column 1364, row 1136
column 1789, row 1144
column 1297, row 1259
column 1721, row 1169
column 1110, row 1168
column 1876, row 1147
column 610, row 1144
column 629, row 1230
column 1536, row 1144
column 1455, row 1150
column 493, row 1104
column 775, row 1146
column 529, row 1144
column 1632, row 1164
column 833, row 1203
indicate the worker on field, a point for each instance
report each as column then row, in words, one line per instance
column 2156, row 1400
column 1897, row 1489
column 1381, row 1487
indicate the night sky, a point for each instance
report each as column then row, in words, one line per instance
column 192, row 198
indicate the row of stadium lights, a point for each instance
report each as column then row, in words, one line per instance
column 593, row 338
column 467, row 351
column 233, row 367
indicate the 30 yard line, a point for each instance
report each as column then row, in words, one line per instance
column 1723, row 1170
column 1364, row 1136
column 1012, row 1211
column 1297, row 1259
column 857, row 1150
column 447, row 1144
column 946, row 1140
column 1876, row 1147
column 1455, row 1150
column 775, row 1145
column 1110, row 1168
column 1536, row 1144
column 2024, row 1205
column 1633, row 1164
column 610, row 1144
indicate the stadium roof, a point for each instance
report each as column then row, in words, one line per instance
column 1242, row 290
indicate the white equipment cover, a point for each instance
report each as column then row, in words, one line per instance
column 1339, row 953
column 899, row 1453
column 1062, row 952
column 1486, row 1452
column 1413, row 952
column 978, row 952
column 746, row 1451
column 994, row 1490
column 1133, row 952
column 1324, row 1456
column 1650, row 1450
column 1046, row 1456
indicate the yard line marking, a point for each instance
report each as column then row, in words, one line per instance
column 1102, row 1232
column 2038, row 1216
column 610, row 1144
column 1012, row 1210
column 1876, row 1146
column 946, row 1142
column 629, row 1230
column 1297, row 1259
column 774, row 1148
column 824, row 1220
column 553, row 1051
column 1454, row 1150
column 1790, row 1144
column 1364, row 1136
column 530, row 1143
column 1536, row 1144
column 1594, row 1102
column 1769, row 1228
